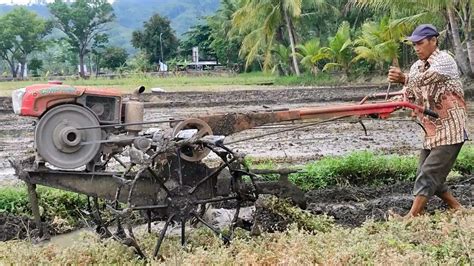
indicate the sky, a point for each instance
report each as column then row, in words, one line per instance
column 24, row 2
column 18, row 2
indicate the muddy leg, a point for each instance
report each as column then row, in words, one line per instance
column 418, row 206
column 449, row 199
column 35, row 207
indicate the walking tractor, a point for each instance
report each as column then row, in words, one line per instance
column 92, row 141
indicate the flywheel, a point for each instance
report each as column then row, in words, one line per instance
column 194, row 153
column 60, row 143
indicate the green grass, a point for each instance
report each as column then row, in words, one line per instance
column 359, row 168
column 369, row 168
column 54, row 203
column 205, row 82
column 437, row 239
column 465, row 161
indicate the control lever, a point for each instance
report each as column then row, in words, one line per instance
column 430, row 112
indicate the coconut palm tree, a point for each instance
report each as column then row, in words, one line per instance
column 281, row 60
column 306, row 52
column 264, row 19
column 457, row 16
column 379, row 43
column 339, row 51
column 268, row 21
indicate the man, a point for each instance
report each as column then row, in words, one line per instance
column 434, row 82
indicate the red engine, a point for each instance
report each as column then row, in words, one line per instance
column 35, row 100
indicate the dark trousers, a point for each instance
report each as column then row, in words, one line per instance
column 433, row 168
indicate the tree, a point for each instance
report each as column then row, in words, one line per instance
column 82, row 21
column 457, row 16
column 271, row 20
column 379, row 43
column 198, row 36
column 226, row 45
column 139, row 62
column 309, row 54
column 21, row 34
column 59, row 58
column 339, row 51
column 114, row 57
column 35, row 65
column 97, row 49
column 8, row 51
column 157, row 39
column 281, row 60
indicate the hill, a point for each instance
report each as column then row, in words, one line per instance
column 130, row 15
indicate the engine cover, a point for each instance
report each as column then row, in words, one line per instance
column 35, row 100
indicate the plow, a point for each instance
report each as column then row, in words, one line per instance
column 96, row 142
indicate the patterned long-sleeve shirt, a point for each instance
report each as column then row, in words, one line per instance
column 435, row 84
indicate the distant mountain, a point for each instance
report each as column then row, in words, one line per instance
column 130, row 15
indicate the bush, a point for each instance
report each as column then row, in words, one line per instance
column 465, row 161
column 53, row 203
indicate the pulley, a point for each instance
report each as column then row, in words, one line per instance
column 58, row 141
column 195, row 152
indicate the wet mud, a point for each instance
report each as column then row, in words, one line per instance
column 21, row 227
column 352, row 206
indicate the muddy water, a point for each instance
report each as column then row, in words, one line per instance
column 297, row 146
column 16, row 138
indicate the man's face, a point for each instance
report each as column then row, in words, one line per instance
column 425, row 47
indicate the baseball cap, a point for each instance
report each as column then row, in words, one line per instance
column 423, row 31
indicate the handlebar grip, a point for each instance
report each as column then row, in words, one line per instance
column 431, row 113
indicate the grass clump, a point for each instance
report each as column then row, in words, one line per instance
column 251, row 163
column 358, row 168
column 53, row 203
column 465, row 161
column 14, row 200
column 301, row 218
column 369, row 168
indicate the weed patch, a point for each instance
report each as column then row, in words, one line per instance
column 465, row 161
column 359, row 168
column 369, row 168
column 54, row 204
column 439, row 239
